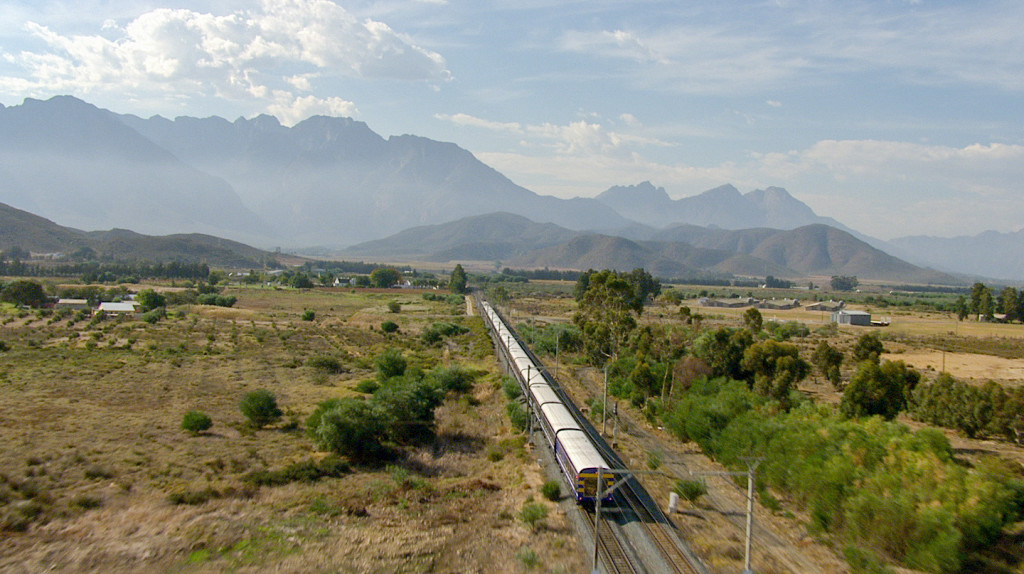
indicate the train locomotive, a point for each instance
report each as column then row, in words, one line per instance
column 578, row 458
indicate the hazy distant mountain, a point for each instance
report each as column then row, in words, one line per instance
column 69, row 161
column 19, row 228
column 686, row 250
column 334, row 181
column 989, row 254
column 662, row 259
column 810, row 250
column 495, row 236
column 723, row 206
column 325, row 181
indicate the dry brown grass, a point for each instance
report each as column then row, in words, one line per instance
column 92, row 451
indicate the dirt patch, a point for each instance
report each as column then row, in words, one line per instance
column 965, row 366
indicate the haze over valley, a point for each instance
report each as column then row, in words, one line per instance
column 330, row 183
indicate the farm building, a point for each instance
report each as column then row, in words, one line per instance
column 727, row 303
column 75, row 304
column 779, row 304
column 848, row 317
column 118, row 308
column 830, row 306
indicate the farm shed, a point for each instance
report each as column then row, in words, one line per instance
column 848, row 317
column 118, row 308
column 75, row 304
column 830, row 306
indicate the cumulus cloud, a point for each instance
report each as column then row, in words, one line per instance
column 582, row 137
column 252, row 54
column 291, row 109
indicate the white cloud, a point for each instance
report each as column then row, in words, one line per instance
column 244, row 55
column 291, row 110
column 471, row 121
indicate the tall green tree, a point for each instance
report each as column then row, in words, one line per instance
column 961, row 308
column 777, row 368
column 879, row 389
column 722, row 350
column 24, row 292
column 605, row 315
column 1009, row 303
column 868, row 348
column 978, row 291
column 457, row 281
column 384, row 277
column 828, row 360
column 753, row 320
column 149, row 299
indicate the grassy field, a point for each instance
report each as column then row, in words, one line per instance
column 96, row 473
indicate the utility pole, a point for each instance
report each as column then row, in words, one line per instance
column 750, row 510
column 604, row 409
column 597, row 516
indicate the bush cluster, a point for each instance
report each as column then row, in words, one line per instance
column 217, row 300
column 439, row 331
column 400, row 410
column 303, row 471
column 988, row 410
column 891, row 493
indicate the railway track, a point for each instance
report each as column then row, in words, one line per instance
column 611, row 548
column 663, row 535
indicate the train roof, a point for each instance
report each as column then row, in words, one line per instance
column 558, row 417
column 582, row 453
column 542, row 394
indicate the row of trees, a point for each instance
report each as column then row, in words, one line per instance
column 985, row 411
column 984, row 305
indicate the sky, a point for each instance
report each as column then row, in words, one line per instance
column 895, row 117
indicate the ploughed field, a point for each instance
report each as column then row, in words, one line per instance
column 96, row 473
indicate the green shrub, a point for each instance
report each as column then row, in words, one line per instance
column 153, row 316
column 368, row 386
column 389, row 327
column 690, row 490
column 260, row 407
column 390, row 364
column 517, row 416
column 394, row 307
column 303, row 471
column 533, row 514
column 511, row 388
column 217, row 300
column 326, row 364
column 196, row 422
column 351, row 427
column 552, row 490
column 528, row 558
column 453, row 379
column 308, row 315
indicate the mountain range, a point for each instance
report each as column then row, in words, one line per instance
column 40, row 235
column 330, row 182
column 682, row 251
